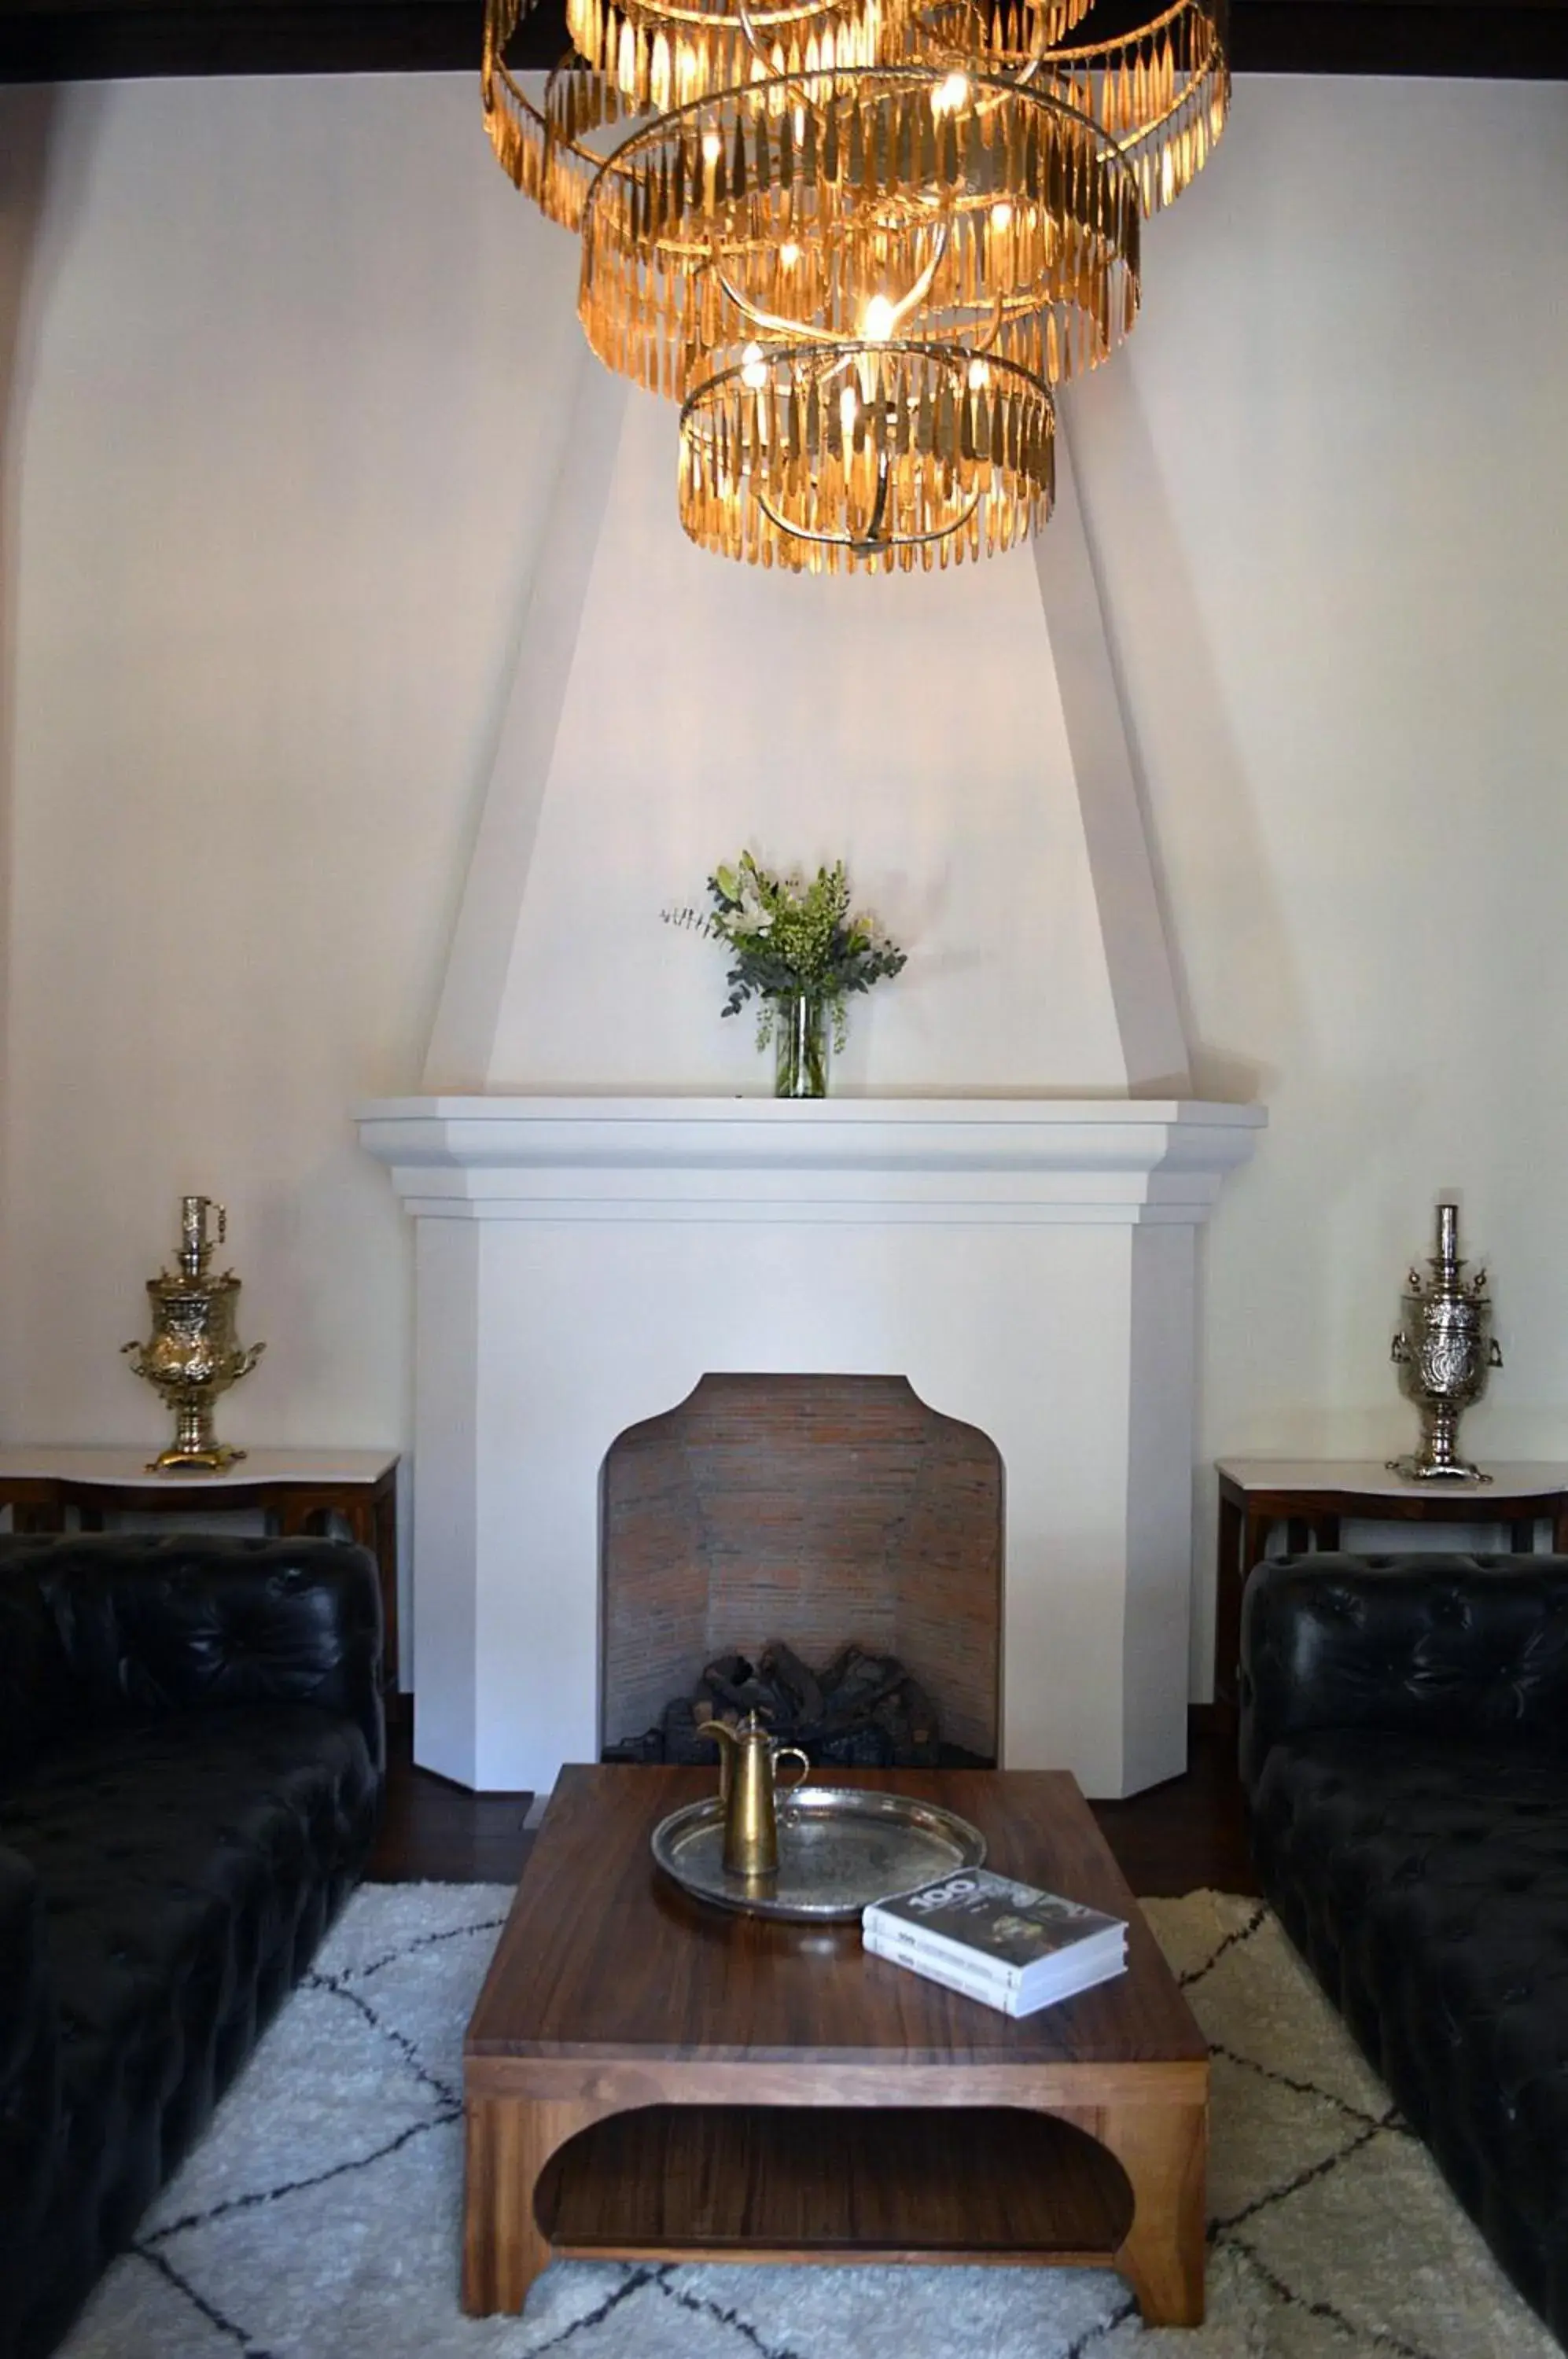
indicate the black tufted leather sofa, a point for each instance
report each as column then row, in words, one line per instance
column 1404, row 1746
column 191, row 1763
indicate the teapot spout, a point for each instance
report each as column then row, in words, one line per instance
column 728, row 1746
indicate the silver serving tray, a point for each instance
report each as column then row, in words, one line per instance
column 839, row 1848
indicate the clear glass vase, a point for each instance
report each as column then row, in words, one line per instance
column 800, row 1037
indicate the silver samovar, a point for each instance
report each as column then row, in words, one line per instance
column 192, row 1355
column 1443, row 1350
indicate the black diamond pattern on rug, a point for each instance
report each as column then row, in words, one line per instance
column 321, row 2217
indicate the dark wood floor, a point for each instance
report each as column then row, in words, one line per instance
column 435, row 1833
column 1189, row 1833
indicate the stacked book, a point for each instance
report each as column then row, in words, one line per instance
column 1006, row 1944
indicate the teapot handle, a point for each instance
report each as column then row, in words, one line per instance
column 792, row 1753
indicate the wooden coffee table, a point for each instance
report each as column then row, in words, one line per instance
column 647, row 2078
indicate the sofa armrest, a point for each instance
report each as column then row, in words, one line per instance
column 1472, row 1647
column 30, row 2053
column 157, row 1624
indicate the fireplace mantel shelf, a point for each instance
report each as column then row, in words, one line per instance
column 1133, row 1160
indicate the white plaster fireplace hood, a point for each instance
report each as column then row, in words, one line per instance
column 998, row 1202
column 1027, row 1264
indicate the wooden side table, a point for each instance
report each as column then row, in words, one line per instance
column 297, row 1491
column 1311, row 1496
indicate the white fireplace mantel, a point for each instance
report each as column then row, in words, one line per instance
column 984, row 1160
column 1027, row 1263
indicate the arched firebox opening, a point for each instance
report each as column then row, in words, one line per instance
column 810, row 1513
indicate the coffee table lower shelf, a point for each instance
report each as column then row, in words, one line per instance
column 789, row 2182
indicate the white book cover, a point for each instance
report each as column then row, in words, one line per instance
column 933, row 1968
column 1063, row 1972
column 980, row 1919
column 897, row 1940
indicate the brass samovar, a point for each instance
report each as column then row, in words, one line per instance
column 1443, row 1350
column 192, row 1355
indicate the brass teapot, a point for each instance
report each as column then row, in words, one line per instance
column 748, row 1761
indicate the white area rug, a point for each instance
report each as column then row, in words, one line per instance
column 320, row 2218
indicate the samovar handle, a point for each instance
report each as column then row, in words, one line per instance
column 1399, row 1350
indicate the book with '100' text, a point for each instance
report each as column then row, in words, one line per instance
column 1007, row 1944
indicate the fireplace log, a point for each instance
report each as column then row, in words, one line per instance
column 864, row 1711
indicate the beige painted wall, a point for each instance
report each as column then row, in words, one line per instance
column 277, row 450
column 911, row 727
column 278, row 430
column 1329, row 498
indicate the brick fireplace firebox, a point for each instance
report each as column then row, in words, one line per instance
column 816, row 1509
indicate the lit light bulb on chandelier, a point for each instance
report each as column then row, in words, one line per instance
column 879, row 319
column 754, row 368
column 950, row 93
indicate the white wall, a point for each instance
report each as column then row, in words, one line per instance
column 912, row 726
column 1326, row 486
column 278, row 444
column 276, row 460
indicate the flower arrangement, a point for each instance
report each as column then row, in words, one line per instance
column 789, row 938
column 790, row 941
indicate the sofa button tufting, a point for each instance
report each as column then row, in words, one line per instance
column 1409, row 1795
column 184, row 1885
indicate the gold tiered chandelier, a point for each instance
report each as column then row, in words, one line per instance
column 859, row 242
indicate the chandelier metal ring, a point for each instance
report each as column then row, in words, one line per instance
column 1160, row 93
column 664, row 53
column 748, row 204
column 854, row 457
column 542, row 147
column 860, row 241
column 1163, row 94
column 731, row 163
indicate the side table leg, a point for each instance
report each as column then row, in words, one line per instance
column 34, row 1516
column 1229, row 1574
column 381, row 1539
column 1164, row 2149
column 509, row 2142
